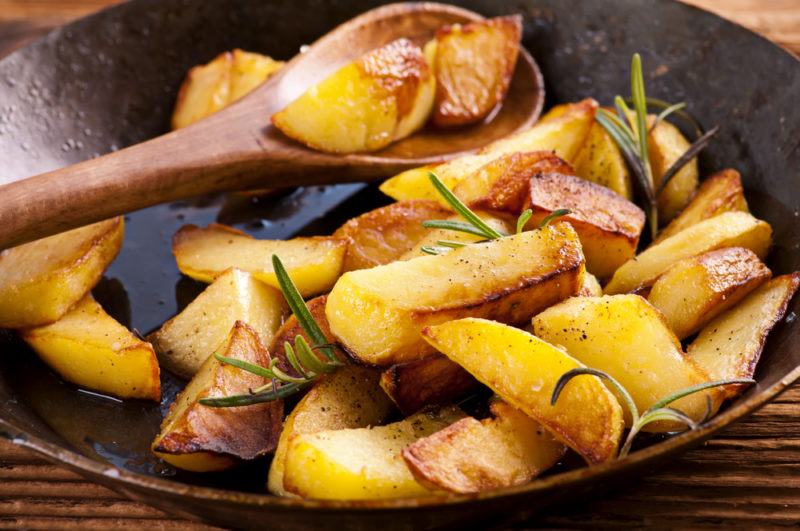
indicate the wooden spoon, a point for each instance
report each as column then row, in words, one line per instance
column 237, row 148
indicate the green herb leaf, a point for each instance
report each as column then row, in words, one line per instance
column 555, row 214
column 434, row 249
column 450, row 244
column 462, row 209
column 456, row 226
column 569, row 375
column 278, row 393
column 688, row 155
column 523, row 219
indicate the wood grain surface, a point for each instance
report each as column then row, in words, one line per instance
column 749, row 476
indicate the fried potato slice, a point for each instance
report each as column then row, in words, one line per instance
column 697, row 289
column 563, row 135
column 721, row 192
column 348, row 398
column 213, row 86
column 731, row 345
column 40, row 281
column 591, row 287
column 600, row 161
column 523, row 370
column 431, row 381
column 730, row 229
column 474, row 66
column 90, row 349
column 433, row 236
column 666, row 144
column 384, row 96
column 188, row 339
column 376, row 314
column 363, row 463
column 473, row 456
column 383, row 235
column 204, row 254
column 626, row 337
column 205, row 439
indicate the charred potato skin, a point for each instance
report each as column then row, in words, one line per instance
column 431, row 381
column 495, row 39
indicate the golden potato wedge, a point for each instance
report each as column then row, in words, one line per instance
column 666, row 144
column 600, row 161
column 188, row 339
column 563, row 135
column 474, row 66
column 204, row 439
column 383, row 235
column 431, row 381
column 213, row 86
column 730, row 229
column 376, row 314
column 698, row 288
column 591, row 287
column 384, row 96
column 731, row 345
column 626, row 337
column 360, row 464
column 204, row 254
column 523, row 370
column 40, row 281
column 348, row 398
column 90, row 349
column 473, row 456
column 432, row 236
column 722, row 192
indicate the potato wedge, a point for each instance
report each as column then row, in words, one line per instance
column 523, row 370
column 213, row 86
column 731, row 345
column 697, row 289
column 474, row 66
column 591, row 287
column 376, row 314
column 383, row 235
column 90, row 349
column 40, row 281
column 667, row 144
column 204, row 254
column 204, row 439
column 360, row 464
column 431, row 381
column 722, row 192
column 730, row 229
column 348, row 398
column 600, row 161
column 188, row 339
column 626, row 337
column 564, row 135
column 433, row 236
column 384, row 96
column 473, row 456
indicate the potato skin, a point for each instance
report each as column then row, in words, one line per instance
column 474, row 66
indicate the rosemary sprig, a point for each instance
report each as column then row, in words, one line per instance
column 301, row 356
column 656, row 412
column 473, row 224
column 628, row 128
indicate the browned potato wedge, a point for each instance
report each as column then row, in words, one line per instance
column 564, row 135
column 730, row 229
column 376, row 314
column 626, row 337
column 384, row 96
column 432, row 236
column 188, row 339
column 348, row 398
column 697, row 289
column 591, row 287
column 474, row 66
column 722, row 192
column 473, row 456
column 431, row 381
column 383, row 235
column 204, row 439
column 730, row 345
column 90, row 349
column 40, row 281
column 213, row 86
column 600, row 161
column 667, row 144
column 313, row 263
column 523, row 370
column 363, row 463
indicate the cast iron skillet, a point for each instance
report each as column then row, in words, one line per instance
column 110, row 80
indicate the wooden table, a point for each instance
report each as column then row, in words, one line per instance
column 748, row 476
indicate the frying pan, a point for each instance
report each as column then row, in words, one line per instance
column 110, row 80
